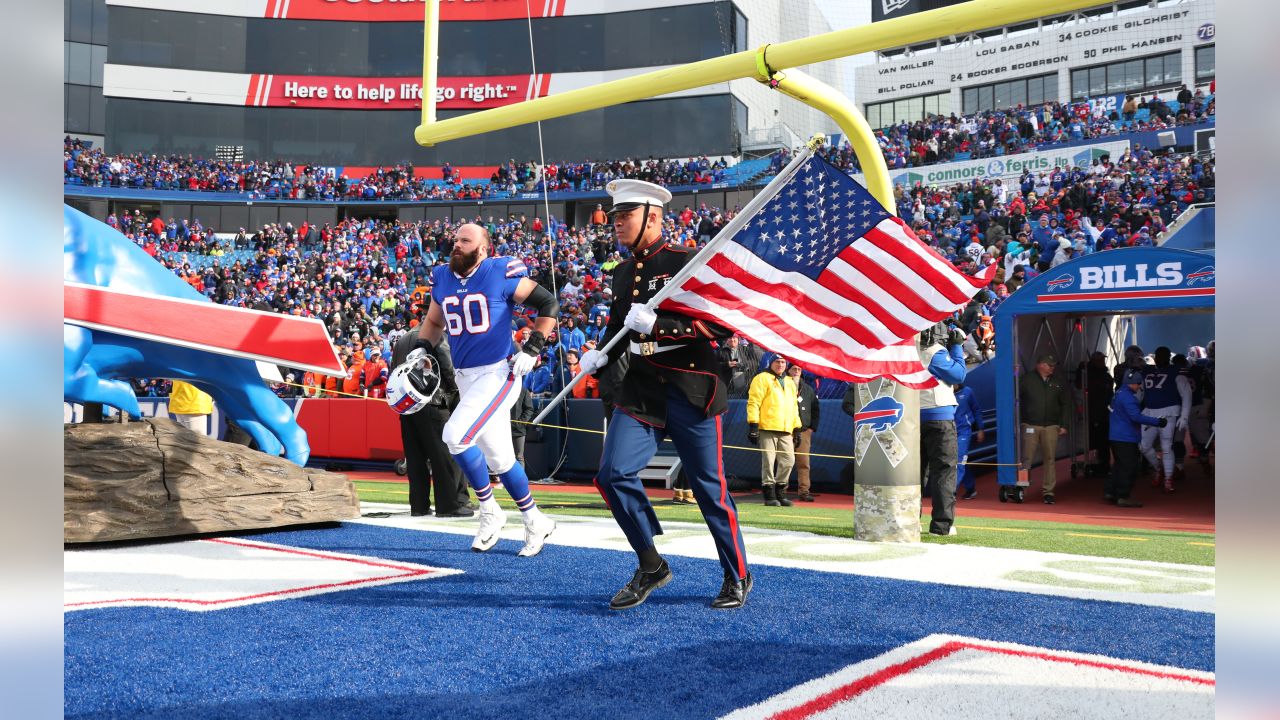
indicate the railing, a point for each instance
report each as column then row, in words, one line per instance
column 1184, row 218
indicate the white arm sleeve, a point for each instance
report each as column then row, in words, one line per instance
column 1184, row 391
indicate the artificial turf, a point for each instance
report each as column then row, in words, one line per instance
column 533, row 637
column 1133, row 544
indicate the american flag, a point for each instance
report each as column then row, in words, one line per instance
column 825, row 275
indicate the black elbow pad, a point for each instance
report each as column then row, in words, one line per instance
column 541, row 300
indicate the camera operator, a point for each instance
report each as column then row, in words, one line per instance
column 942, row 353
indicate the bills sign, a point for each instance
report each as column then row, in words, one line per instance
column 1146, row 276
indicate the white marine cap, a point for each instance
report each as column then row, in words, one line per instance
column 627, row 194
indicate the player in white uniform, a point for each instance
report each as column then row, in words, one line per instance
column 472, row 299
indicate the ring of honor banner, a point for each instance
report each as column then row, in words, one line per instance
column 886, row 431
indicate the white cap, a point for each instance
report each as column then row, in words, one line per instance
column 627, row 194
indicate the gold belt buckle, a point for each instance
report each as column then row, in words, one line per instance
column 648, row 348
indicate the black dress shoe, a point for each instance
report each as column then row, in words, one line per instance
column 461, row 512
column 642, row 583
column 419, row 513
column 733, row 593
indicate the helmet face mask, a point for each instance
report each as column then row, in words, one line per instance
column 412, row 386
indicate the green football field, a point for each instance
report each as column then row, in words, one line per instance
column 1137, row 544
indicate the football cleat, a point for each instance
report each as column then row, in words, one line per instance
column 536, row 532
column 491, row 523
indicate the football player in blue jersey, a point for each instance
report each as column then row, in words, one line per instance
column 1165, row 394
column 472, row 299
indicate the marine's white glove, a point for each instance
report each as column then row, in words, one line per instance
column 592, row 360
column 522, row 363
column 641, row 319
column 416, row 356
column 1179, row 426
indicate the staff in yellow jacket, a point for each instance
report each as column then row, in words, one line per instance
column 773, row 421
column 191, row 406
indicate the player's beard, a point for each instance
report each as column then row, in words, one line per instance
column 461, row 263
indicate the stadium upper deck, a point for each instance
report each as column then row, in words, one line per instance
column 338, row 83
column 1103, row 55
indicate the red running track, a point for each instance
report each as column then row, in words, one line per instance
column 1079, row 500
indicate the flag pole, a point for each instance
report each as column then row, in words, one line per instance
column 726, row 234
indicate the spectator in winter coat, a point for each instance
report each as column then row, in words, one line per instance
column 1126, row 417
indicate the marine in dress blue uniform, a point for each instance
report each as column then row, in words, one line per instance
column 672, row 388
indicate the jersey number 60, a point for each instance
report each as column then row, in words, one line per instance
column 474, row 315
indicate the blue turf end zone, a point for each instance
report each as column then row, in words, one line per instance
column 533, row 637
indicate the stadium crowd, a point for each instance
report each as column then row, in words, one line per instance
column 368, row 278
column 940, row 139
column 936, row 139
column 280, row 179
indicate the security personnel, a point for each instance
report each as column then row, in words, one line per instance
column 426, row 457
column 810, row 414
column 1045, row 407
column 671, row 387
column 968, row 417
column 773, row 421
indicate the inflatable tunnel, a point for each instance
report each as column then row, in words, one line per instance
column 1093, row 304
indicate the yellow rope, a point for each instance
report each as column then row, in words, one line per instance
column 601, row 432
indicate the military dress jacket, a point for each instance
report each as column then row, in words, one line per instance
column 679, row 350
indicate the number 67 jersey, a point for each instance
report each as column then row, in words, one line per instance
column 477, row 309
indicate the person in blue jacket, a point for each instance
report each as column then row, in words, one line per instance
column 968, row 419
column 1126, row 416
column 941, row 352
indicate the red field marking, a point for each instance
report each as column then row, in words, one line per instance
column 853, row 689
column 408, row 572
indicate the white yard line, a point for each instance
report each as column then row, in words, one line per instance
column 1184, row 587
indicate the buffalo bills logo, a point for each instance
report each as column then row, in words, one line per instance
column 1062, row 283
column 1204, row 275
column 880, row 414
column 405, row 402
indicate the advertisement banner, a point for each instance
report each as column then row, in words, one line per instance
column 350, row 92
column 1008, row 167
column 403, row 93
column 402, row 10
column 410, row 10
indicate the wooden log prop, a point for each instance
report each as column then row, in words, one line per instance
column 156, row 478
